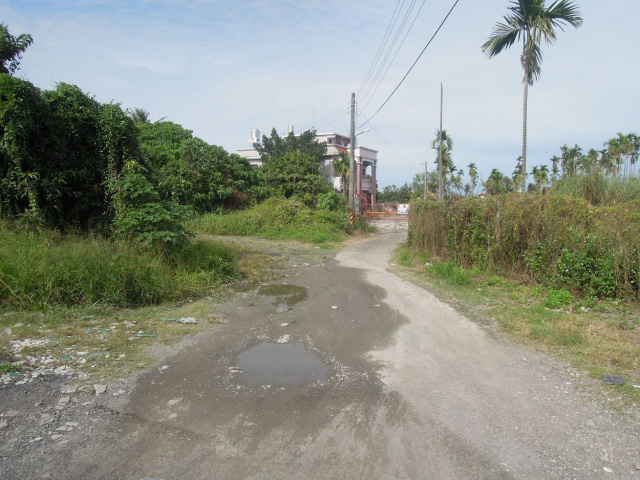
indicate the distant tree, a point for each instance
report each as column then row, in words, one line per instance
column 11, row 49
column 277, row 146
column 531, row 21
column 447, row 164
column 473, row 178
column 139, row 115
column 497, row 183
column 571, row 160
column 394, row 194
column 555, row 160
column 295, row 175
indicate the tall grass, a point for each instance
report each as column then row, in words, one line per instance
column 563, row 242
column 38, row 270
column 599, row 189
column 278, row 218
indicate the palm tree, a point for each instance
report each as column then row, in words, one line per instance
column 447, row 164
column 532, row 22
column 473, row 176
column 554, row 168
column 341, row 167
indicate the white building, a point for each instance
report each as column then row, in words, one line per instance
column 366, row 160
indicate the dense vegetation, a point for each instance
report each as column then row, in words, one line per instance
column 561, row 242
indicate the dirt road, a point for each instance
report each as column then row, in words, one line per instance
column 373, row 378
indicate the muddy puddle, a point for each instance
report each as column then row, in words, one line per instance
column 284, row 297
column 280, row 365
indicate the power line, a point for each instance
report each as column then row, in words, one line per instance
column 414, row 64
column 394, row 56
column 381, row 47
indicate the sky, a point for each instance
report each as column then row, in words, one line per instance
column 222, row 67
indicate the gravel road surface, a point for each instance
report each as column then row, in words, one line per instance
column 339, row 370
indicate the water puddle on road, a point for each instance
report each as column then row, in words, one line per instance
column 280, row 364
column 286, row 296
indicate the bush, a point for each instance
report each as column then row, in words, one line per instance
column 561, row 242
column 38, row 270
column 557, row 299
column 278, row 218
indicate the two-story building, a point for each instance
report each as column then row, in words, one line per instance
column 366, row 160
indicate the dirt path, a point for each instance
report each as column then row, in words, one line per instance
column 374, row 378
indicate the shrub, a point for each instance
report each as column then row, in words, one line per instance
column 557, row 299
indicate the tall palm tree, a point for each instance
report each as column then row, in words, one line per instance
column 531, row 21
column 341, row 167
column 447, row 163
column 473, row 176
column 139, row 115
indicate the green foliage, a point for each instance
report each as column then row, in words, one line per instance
column 11, row 49
column 404, row 257
column 41, row 270
column 452, row 274
column 557, row 299
column 295, row 175
column 330, row 201
column 598, row 188
column 276, row 146
column 60, row 152
column 195, row 174
column 143, row 216
column 278, row 218
column 561, row 242
column 394, row 194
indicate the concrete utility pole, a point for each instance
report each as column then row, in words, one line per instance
column 441, row 179
column 352, row 155
column 425, row 180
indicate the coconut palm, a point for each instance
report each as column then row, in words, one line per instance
column 531, row 21
column 554, row 168
column 341, row 167
column 139, row 115
column 473, row 176
column 447, row 164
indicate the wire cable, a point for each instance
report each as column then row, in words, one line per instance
column 414, row 64
column 394, row 56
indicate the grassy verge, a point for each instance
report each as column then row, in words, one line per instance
column 281, row 219
column 601, row 337
column 84, row 322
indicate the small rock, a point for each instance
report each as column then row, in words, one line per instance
column 174, row 401
column 64, row 429
column 100, row 388
column 69, row 389
column 64, row 400
column 284, row 324
column 638, row 466
column 164, row 367
column 5, row 333
column 333, row 307
column 56, row 436
column 590, row 423
column 607, row 469
column 46, row 418
column 3, row 424
column 284, row 338
column 613, row 379
column 37, row 439
column 187, row 320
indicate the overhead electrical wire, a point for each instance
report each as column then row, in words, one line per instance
column 413, row 65
column 367, row 91
column 394, row 56
column 389, row 145
column 381, row 47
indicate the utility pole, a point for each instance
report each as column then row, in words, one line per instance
column 440, row 179
column 425, row 180
column 352, row 155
